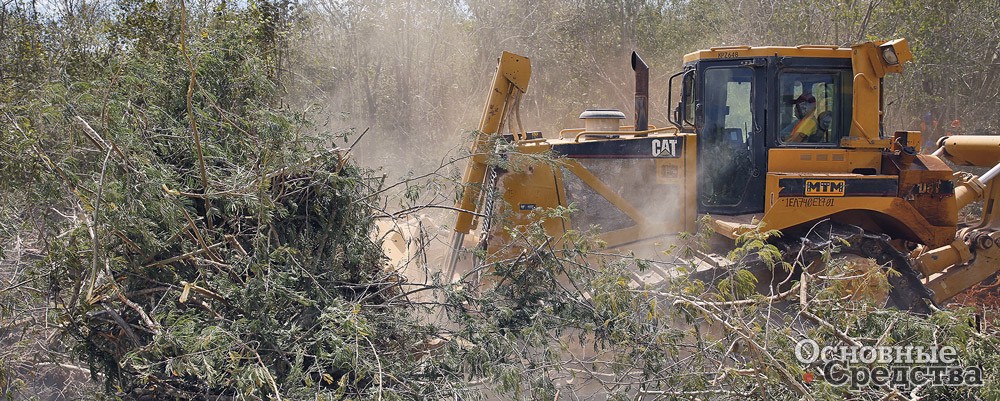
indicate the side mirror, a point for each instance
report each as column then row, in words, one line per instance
column 674, row 116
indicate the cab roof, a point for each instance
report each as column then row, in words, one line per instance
column 728, row 52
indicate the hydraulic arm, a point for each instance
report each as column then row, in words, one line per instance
column 975, row 253
column 509, row 84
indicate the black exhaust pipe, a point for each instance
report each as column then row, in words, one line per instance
column 641, row 92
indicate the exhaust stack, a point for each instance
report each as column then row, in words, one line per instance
column 641, row 92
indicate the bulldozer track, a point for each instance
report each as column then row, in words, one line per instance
column 907, row 291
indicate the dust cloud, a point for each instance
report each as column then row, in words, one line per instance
column 415, row 74
column 403, row 83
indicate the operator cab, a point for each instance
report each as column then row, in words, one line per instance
column 743, row 101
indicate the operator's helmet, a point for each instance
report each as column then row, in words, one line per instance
column 804, row 104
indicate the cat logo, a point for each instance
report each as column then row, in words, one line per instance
column 825, row 188
column 664, row 148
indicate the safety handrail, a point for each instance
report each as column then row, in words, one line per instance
column 834, row 47
column 635, row 134
column 736, row 47
column 623, row 129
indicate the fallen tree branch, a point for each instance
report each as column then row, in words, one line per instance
column 788, row 377
column 840, row 334
column 182, row 257
column 99, row 141
column 741, row 302
column 155, row 328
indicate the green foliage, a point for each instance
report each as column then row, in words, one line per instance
column 738, row 286
column 756, row 243
column 196, row 243
column 170, row 224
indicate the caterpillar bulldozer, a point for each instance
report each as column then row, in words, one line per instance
column 759, row 138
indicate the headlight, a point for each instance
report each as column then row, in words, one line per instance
column 889, row 55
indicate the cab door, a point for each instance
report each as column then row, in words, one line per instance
column 729, row 122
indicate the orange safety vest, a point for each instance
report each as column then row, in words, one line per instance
column 806, row 126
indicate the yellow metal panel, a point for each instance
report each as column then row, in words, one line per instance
column 690, row 197
column 682, row 172
column 781, row 212
column 517, row 69
column 822, row 51
column 866, row 106
column 531, row 186
column 812, row 160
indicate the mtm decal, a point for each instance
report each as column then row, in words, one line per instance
column 665, row 147
column 825, row 187
column 829, row 187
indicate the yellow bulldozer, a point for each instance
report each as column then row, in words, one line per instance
column 772, row 138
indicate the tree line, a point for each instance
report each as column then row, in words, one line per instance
column 187, row 201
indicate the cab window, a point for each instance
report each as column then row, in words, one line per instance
column 811, row 107
column 725, row 136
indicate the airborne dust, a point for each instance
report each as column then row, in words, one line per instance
column 404, row 82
